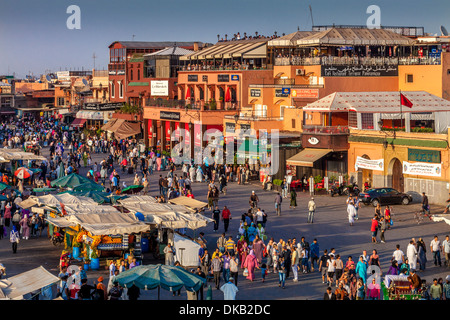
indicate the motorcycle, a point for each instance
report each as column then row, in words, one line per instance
column 353, row 189
column 57, row 238
column 335, row 190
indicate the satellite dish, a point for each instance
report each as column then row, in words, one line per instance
column 49, row 79
column 444, row 31
column 85, row 82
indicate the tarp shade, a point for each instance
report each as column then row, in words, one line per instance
column 307, row 157
column 27, row 282
column 186, row 251
column 109, row 124
column 114, row 223
column 193, row 204
column 78, row 122
column 116, row 125
column 128, row 129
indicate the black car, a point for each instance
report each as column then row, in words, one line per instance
column 384, row 196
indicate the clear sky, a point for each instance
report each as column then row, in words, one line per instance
column 34, row 37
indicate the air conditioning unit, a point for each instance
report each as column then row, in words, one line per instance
column 299, row 72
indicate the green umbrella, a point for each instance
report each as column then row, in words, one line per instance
column 132, row 189
column 70, row 181
column 4, row 186
column 88, row 186
column 151, row 276
column 44, row 189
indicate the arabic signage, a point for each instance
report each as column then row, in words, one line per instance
column 362, row 163
column 360, row 71
column 167, row 115
column 305, row 93
column 420, row 155
column 103, row 106
column 422, row 169
column 192, row 77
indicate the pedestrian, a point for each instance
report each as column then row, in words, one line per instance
column 216, row 217
column 435, row 290
column 411, row 253
column 226, row 217
column 445, row 251
column 216, row 266
column 229, row 290
column 281, row 272
column 383, row 226
column 263, row 271
column 421, row 254
column 295, row 260
column 435, row 246
column 25, row 225
column 251, row 264
column 331, row 269
column 234, row 268
column 374, row 229
column 226, row 266
column 311, row 210
column 360, row 290
column 361, row 269
column 446, row 288
column 14, row 238
column 102, row 289
column 323, row 265
column 293, row 201
column 329, row 295
column 278, row 200
column 116, row 291
column 169, row 253
column 351, row 212
column 339, row 267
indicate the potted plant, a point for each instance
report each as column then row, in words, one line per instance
column 76, row 248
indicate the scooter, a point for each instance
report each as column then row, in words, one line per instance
column 337, row 190
column 57, row 238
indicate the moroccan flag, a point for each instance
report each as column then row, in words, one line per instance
column 404, row 101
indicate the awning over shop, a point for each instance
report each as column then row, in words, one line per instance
column 92, row 115
column 127, row 129
column 307, row 157
column 109, row 124
column 18, row 154
column 78, row 122
column 189, row 202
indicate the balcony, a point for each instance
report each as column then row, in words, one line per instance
column 366, row 61
column 228, row 67
column 326, row 130
column 193, row 105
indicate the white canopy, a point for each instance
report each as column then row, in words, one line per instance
column 186, row 250
column 193, row 204
column 18, row 154
column 64, row 198
column 16, row 287
column 379, row 102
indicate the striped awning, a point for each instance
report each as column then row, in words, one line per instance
column 307, row 157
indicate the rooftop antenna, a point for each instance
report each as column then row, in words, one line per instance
column 312, row 19
column 94, row 57
column 134, row 36
column 444, row 31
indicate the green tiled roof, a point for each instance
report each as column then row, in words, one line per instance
column 138, row 84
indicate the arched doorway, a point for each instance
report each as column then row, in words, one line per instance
column 366, row 174
column 396, row 172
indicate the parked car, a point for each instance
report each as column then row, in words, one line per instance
column 384, row 196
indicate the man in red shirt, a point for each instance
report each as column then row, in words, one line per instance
column 226, row 216
column 374, row 229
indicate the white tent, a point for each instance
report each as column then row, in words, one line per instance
column 14, row 288
column 186, row 251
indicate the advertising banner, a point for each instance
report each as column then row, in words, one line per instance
column 159, row 88
column 369, row 164
column 422, row 169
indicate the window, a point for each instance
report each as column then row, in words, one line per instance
column 138, row 74
column 352, row 119
column 293, row 123
column 112, row 90
column 131, row 75
column 367, row 120
column 120, row 89
column 409, row 78
column 60, row 101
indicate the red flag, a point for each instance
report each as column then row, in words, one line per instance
column 404, row 101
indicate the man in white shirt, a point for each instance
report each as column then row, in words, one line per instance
column 411, row 253
column 436, row 249
column 446, row 250
column 229, row 290
column 398, row 255
column 259, row 216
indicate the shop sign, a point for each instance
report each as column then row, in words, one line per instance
column 422, row 169
column 313, row 140
column 280, row 94
column 103, row 106
column 419, row 155
column 362, row 163
column 230, row 127
column 305, row 93
column 192, row 77
column 167, row 115
column 255, row 93
column 234, row 77
column 159, row 88
column 223, row 78
column 360, row 71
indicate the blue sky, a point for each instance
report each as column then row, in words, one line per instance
column 34, row 37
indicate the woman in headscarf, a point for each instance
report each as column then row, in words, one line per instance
column 199, row 173
column 25, row 228
column 421, row 254
column 361, row 269
column 258, row 248
column 351, row 212
column 251, row 263
column 261, row 232
column 251, row 233
column 242, row 249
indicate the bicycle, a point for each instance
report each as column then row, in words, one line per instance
column 419, row 215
